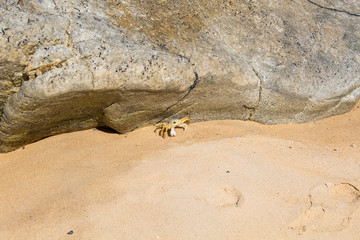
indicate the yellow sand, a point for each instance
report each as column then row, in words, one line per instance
column 216, row 180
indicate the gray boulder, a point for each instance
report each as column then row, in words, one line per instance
column 72, row 65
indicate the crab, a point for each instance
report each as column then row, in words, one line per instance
column 169, row 128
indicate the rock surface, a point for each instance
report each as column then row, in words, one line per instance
column 67, row 66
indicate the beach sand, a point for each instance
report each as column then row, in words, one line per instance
column 216, row 180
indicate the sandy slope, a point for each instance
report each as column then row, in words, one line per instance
column 216, row 180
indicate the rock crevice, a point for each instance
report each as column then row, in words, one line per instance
column 334, row 9
column 261, row 84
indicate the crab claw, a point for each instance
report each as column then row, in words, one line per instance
column 172, row 132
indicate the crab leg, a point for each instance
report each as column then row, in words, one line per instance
column 162, row 132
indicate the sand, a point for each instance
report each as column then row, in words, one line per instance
column 216, row 180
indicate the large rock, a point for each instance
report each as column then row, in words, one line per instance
column 72, row 65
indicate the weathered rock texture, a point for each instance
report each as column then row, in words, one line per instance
column 72, row 65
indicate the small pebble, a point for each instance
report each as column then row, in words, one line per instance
column 227, row 171
column 353, row 145
column 70, row 233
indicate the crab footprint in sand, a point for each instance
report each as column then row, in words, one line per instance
column 331, row 207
